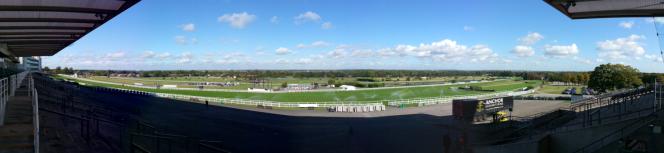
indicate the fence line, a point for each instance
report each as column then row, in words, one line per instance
column 285, row 91
column 371, row 105
column 379, row 104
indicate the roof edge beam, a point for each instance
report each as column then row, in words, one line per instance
column 62, row 20
column 40, row 33
column 39, row 37
column 55, row 9
column 4, row 50
column 44, row 27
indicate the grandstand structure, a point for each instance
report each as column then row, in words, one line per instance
column 30, row 28
column 41, row 114
column 623, row 121
column 590, row 9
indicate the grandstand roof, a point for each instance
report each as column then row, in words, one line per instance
column 582, row 9
column 44, row 27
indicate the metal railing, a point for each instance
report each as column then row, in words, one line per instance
column 376, row 105
column 283, row 91
column 81, row 107
column 146, row 138
column 35, row 112
column 615, row 135
column 8, row 87
column 4, row 97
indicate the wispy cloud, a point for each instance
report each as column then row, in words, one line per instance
column 237, row 20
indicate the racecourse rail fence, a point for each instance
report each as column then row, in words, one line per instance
column 335, row 106
column 332, row 106
column 272, row 91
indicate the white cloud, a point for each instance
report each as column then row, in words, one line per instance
column 659, row 20
column 316, row 44
column 582, row 60
column 362, row 53
column 599, row 60
column 626, row 24
column 182, row 40
column 303, row 61
column 237, row 20
column 185, row 58
column 163, row 56
column 654, row 58
column 308, row 16
column 531, row 38
column 274, row 19
column 523, row 51
column 189, row 27
column 227, row 61
column 444, row 50
column 326, row 25
column 387, row 52
column 481, row 53
column 339, row 52
column 282, row 61
column 621, row 48
column 148, row 54
column 115, row 55
column 234, row 55
column 282, row 51
column 561, row 50
column 468, row 28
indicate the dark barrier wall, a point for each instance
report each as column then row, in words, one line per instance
column 467, row 109
column 464, row 109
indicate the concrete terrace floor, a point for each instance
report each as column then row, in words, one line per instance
column 243, row 129
column 17, row 135
column 418, row 129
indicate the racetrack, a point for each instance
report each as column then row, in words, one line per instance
column 372, row 95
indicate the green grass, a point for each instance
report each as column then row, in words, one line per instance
column 548, row 89
column 358, row 95
column 244, row 84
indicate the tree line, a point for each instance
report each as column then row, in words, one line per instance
column 604, row 77
column 59, row 70
column 531, row 75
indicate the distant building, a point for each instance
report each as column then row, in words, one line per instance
column 31, row 63
column 348, row 87
column 297, row 87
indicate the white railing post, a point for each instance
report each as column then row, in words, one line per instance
column 35, row 120
column 3, row 100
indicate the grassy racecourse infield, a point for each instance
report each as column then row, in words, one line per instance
column 332, row 96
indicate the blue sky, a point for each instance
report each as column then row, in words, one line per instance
column 368, row 34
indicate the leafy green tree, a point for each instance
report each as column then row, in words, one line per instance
column 649, row 78
column 614, row 76
column 330, row 81
column 58, row 70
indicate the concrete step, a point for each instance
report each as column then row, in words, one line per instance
column 17, row 135
column 16, row 139
column 16, row 129
column 16, row 148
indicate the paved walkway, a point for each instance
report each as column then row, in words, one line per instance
column 17, row 136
